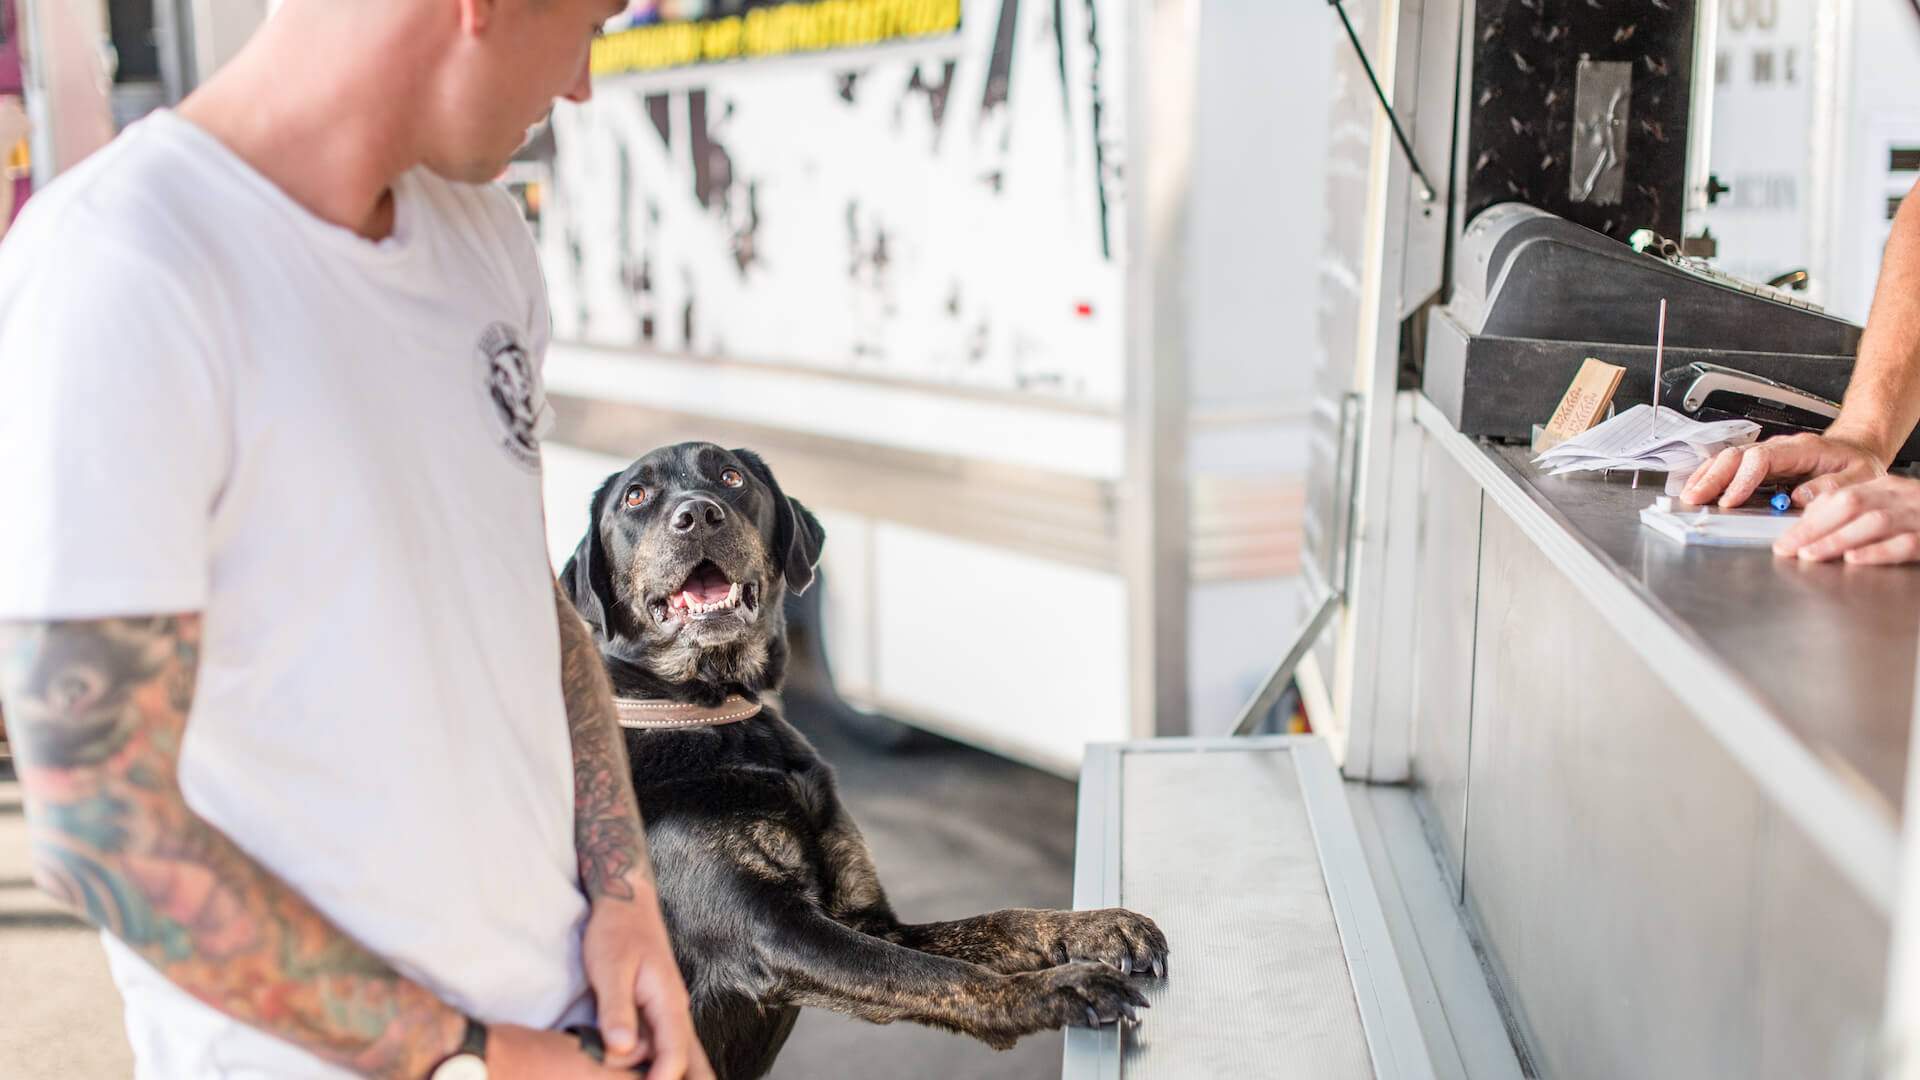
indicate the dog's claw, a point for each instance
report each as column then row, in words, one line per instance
column 1159, row 969
column 1093, row 1018
column 1126, row 965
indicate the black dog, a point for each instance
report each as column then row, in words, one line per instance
column 769, row 891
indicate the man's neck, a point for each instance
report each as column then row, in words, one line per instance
column 334, row 149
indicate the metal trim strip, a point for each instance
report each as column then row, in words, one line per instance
column 1468, row 1035
column 1241, row 527
column 1094, row 1053
column 1379, row 986
column 1024, row 399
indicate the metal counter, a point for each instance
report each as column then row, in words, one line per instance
column 1804, row 674
column 1829, row 649
column 1664, row 782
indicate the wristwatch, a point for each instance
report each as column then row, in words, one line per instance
column 470, row 1061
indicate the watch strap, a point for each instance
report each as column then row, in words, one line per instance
column 474, row 1040
column 590, row 1042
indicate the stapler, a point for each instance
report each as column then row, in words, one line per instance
column 1707, row 391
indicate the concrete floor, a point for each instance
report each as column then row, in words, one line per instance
column 954, row 831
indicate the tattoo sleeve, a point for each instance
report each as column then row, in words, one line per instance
column 607, row 834
column 95, row 713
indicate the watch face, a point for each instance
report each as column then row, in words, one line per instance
column 461, row 1067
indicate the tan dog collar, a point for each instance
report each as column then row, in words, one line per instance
column 637, row 714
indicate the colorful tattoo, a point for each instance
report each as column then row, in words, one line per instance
column 95, row 711
column 607, row 835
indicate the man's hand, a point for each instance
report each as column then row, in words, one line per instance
column 518, row 1053
column 1829, row 462
column 1877, row 522
column 642, row 1001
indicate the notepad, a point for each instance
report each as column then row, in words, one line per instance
column 1710, row 526
column 1649, row 440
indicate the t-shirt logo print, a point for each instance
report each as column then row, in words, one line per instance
column 512, row 391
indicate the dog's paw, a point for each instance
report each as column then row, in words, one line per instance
column 1073, row 995
column 1116, row 937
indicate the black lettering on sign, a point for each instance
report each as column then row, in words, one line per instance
column 1758, row 14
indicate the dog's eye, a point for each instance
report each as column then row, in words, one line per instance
column 732, row 478
column 636, row 495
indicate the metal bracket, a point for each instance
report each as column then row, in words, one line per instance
column 1324, row 599
column 1264, row 699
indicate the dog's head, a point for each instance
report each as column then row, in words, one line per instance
column 687, row 558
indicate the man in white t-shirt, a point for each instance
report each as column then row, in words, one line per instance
column 303, row 723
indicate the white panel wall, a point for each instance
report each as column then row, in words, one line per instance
column 1882, row 111
column 1001, row 649
column 1809, row 97
column 221, row 27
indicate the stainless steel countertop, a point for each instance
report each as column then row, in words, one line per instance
column 1830, row 648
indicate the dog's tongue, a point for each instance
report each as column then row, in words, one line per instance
column 706, row 584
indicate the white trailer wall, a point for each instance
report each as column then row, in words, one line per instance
column 906, row 268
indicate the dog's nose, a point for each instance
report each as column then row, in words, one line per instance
column 696, row 514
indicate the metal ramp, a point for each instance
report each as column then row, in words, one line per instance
column 1245, row 851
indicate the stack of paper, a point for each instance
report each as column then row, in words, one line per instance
column 1713, row 527
column 1641, row 439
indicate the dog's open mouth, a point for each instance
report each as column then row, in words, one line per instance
column 708, row 593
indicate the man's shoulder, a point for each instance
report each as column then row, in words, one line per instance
column 130, row 202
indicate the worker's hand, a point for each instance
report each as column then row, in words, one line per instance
column 1874, row 522
column 518, row 1053
column 1736, row 473
column 636, row 984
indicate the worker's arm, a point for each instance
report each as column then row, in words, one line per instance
column 1881, row 407
column 642, row 1001
column 96, row 711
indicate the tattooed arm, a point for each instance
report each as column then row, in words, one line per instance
column 641, row 998
column 606, row 818
column 95, row 712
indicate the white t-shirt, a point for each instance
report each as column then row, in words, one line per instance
column 213, row 401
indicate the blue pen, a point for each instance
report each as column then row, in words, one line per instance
column 1781, row 501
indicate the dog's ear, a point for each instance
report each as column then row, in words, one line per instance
column 797, row 534
column 587, row 578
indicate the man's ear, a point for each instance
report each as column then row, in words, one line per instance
column 587, row 578
column 797, row 535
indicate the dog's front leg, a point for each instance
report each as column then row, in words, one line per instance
column 816, row 961
column 1025, row 939
column 1013, row 940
